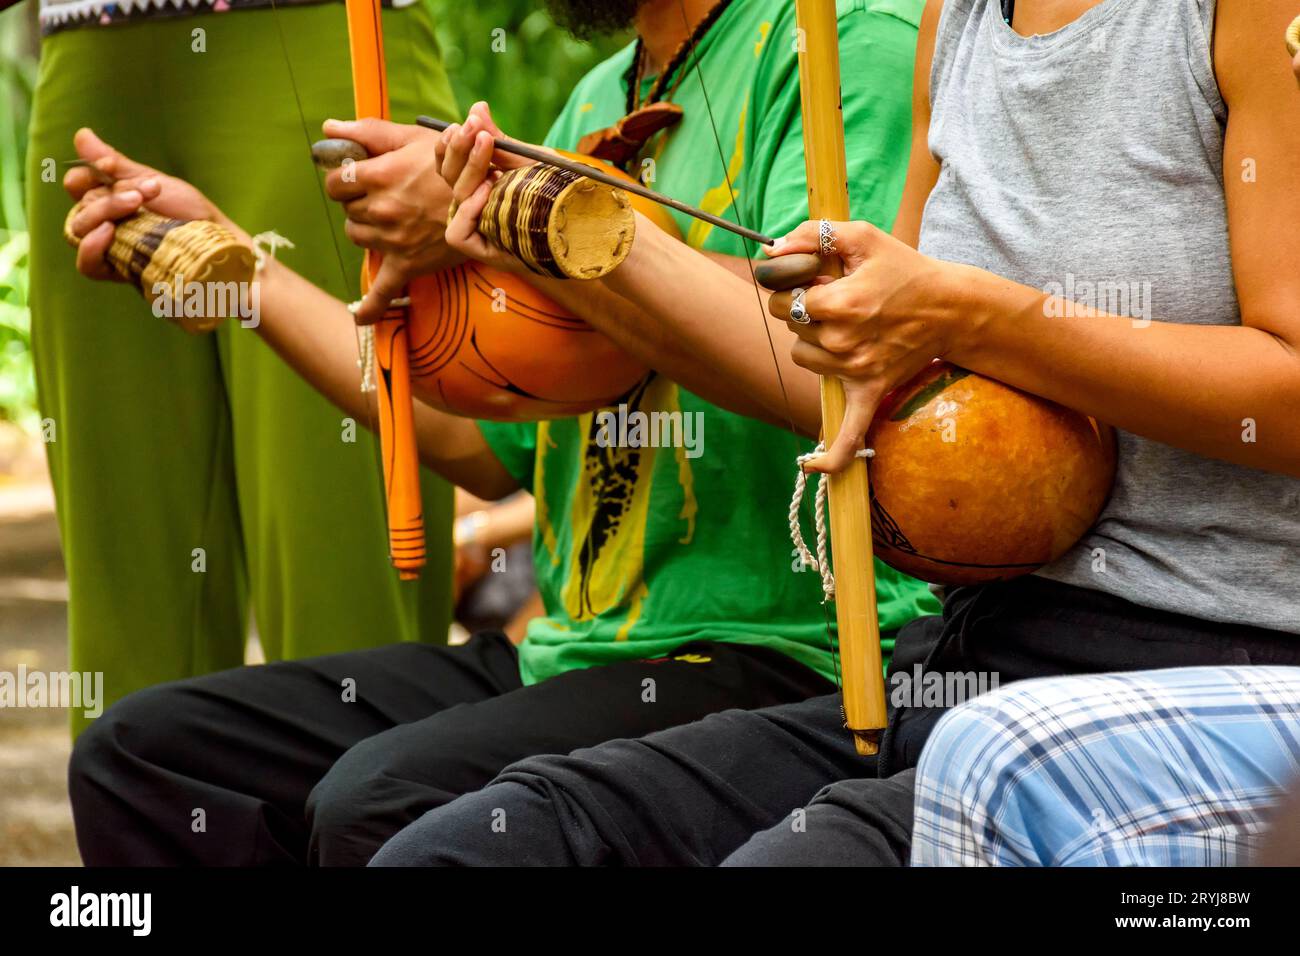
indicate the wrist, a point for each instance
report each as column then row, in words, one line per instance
column 221, row 219
column 975, row 302
column 958, row 309
column 639, row 262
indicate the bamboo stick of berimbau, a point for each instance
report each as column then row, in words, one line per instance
column 862, row 672
column 581, row 169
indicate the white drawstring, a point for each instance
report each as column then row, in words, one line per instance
column 366, row 344
column 821, row 563
column 365, row 353
column 267, row 244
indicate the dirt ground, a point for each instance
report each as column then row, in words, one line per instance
column 35, row 822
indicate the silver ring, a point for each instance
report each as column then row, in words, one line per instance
column 826, row 237
column 798, row 312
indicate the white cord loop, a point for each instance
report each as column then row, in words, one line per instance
column 366, row 343
column 821, row 562
column 365, row 353
column 266, row 244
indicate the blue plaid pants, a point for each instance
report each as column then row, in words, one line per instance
column 1174, row 767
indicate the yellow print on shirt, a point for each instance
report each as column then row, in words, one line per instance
column 609, row 512
column 720, row 198
column 545, row 445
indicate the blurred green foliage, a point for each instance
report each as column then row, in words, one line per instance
column 17, row 386
column 508, row 52
column 17, row 78
column 511, row 53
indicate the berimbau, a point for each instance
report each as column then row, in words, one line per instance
column 971, row 480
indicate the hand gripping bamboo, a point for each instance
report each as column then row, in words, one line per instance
column 828, row 198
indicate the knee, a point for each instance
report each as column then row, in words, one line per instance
column 813, row 835
column 495, row 826
column 534, row 813
column 857, row 822
column 947, row 760
column 1000, row 728
column 341, row 808
column 782, row 845
column 126, row 740
column 986, row 788
column 376, row 788
column 970, row 748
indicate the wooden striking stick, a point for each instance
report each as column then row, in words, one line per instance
column 828, row 198
column 392, row 356
column 591, row 172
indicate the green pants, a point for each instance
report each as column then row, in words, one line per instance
column 197, row 474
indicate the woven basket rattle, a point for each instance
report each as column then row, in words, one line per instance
column 559, row 223
column 159, row 255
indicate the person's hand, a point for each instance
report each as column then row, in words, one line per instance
column 396, row 204
column 469, row 162
column 134, row 187
column 875, row 328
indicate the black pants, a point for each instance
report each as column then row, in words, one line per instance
column 322, row 760
column 783, row 785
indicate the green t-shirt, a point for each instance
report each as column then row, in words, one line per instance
column 639, row 549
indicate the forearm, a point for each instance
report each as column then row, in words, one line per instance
column 700, row 324
column 1227, row 392
column 741, row 268
column 315, row 335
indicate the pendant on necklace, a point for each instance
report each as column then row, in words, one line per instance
column 619, row 144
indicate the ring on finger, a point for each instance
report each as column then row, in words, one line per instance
column 451, row 209
column 826, row 237
column 798, row 311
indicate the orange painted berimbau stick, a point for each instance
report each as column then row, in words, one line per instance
column 392, row 359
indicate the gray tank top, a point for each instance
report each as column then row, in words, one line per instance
column 1089, row 162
